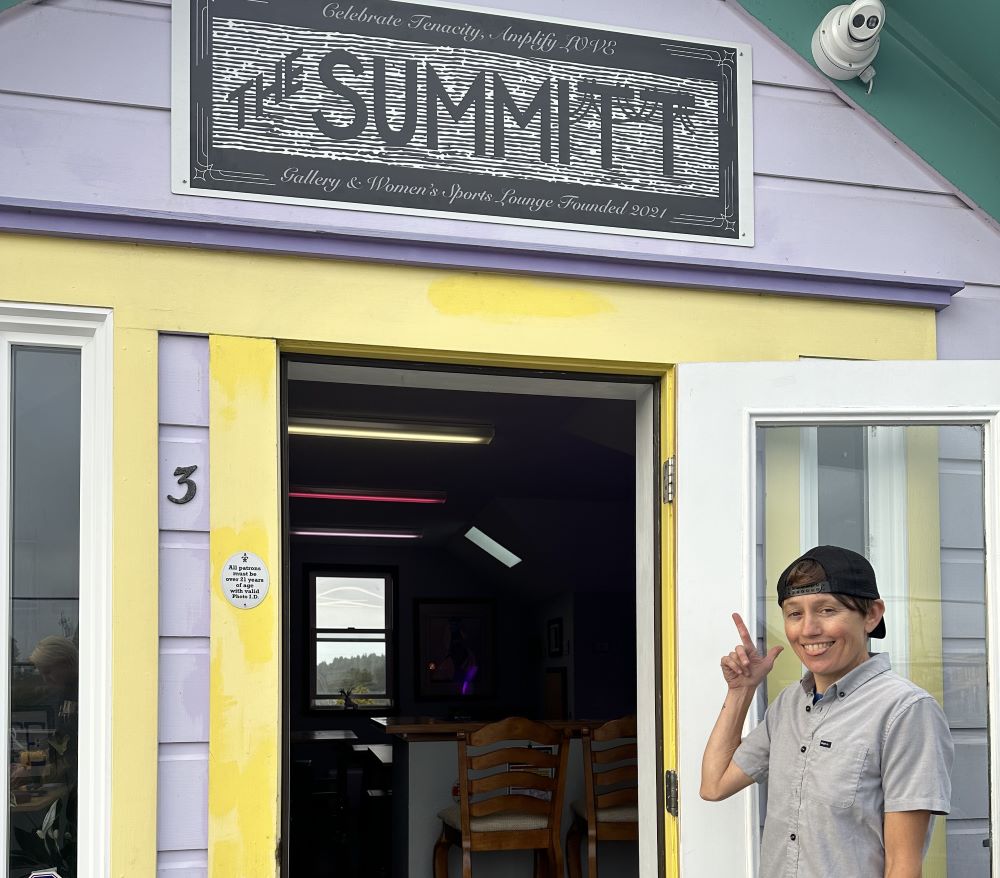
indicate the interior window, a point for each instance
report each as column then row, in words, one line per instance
column 352, row 639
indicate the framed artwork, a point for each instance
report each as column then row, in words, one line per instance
column 455, row 650
column 554, row 638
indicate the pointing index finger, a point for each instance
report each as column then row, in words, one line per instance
column 748, row 641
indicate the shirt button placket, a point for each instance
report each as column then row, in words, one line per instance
column 792, row 846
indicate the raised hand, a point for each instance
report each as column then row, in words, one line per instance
column 744, row 667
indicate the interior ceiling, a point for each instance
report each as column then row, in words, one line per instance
column 938, row 83
column 555, row 486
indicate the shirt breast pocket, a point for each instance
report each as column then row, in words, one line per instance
column 835, row 773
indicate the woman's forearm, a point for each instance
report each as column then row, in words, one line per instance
column 720, row 778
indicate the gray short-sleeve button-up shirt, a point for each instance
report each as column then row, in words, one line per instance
column 874, row 742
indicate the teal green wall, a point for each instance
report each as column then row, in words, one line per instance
column 938, row 82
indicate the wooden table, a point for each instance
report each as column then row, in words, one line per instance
column 427, row 728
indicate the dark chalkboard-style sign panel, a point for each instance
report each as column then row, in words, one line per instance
column 444, row 110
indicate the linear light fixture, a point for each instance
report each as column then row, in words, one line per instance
column 371, row 495
column 366, row 533
column 492, row 547
column 398, row 431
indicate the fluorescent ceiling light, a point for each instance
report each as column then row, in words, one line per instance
column 399, row 431
column 372, row 495
column 368, row 533
column 492, row 547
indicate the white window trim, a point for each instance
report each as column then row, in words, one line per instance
column 90, row 330
column 888, row 537
column 808, row 488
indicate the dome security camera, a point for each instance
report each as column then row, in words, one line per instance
column 847, row 39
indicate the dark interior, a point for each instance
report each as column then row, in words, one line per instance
column 556, row 486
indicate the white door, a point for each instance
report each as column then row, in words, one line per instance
column 898, row 460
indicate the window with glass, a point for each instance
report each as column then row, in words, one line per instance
column 911, row 499
column 352, row 639
column 42, row 606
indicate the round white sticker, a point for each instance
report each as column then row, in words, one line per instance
column 245, row 580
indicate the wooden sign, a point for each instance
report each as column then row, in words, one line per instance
column 459, row 112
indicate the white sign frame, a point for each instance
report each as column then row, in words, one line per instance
column 181, row 135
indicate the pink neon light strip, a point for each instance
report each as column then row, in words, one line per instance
column 373, row 498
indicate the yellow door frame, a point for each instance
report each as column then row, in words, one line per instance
column 245, row 679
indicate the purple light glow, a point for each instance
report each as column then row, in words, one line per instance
column 470, row 674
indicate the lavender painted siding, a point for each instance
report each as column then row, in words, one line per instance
column 832, row 190
column 903, row 227
column 183, row 399
column 970, row 328
column 182, row 784
column 183, row 446
column 183, row 574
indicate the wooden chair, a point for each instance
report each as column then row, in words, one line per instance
column 490, row 816
column 609, row 810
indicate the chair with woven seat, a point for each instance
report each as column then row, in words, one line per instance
column 510, row 796
column 609, row 810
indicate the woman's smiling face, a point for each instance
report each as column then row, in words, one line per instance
column 829, row 638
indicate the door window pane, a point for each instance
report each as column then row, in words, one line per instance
column 841, row 509
column 911, row 499
column 43, row 610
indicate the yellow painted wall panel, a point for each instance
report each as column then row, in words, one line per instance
column 381, row 310
column 245, row 684
column 135, row 607
column 782, row 529
column 355, row 309
column 923, row 529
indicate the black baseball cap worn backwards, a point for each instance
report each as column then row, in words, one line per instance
column 846, row 572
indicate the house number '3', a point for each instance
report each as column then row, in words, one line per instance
column 184, row 474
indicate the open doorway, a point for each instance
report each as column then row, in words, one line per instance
column 434, row 584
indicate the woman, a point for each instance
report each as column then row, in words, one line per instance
column 857, row 759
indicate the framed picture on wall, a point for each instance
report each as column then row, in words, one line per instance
column 455, row 650
column 554, row 637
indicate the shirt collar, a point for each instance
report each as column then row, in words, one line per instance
column 878, row 663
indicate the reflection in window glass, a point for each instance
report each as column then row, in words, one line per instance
column 924, row 536
column 43, row 610
column 840, row 470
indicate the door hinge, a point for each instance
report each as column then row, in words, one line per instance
column 670, row 790
column 669, row 474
